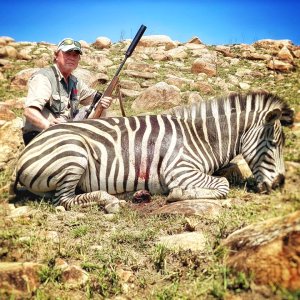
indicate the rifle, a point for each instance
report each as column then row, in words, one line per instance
column 96, row 108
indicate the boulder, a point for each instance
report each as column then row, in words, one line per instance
column 19, row 279
column 160, row 95
column 268, row 250
column 20, row 80
column 102, row 42
column 203, row 66
column 155, row 41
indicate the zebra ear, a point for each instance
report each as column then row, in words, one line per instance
column 272, row 116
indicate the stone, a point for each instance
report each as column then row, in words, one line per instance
column 208, row 207
column 21, row 212
column 20, row 80
column 194, row 241
column 269, row 250
column 19, row 279
column 202, row 66
column 155, row 41
column 177, row 53
column 244, row 86
column 285, row 54
column 102, row 42
column 161, row 95
column 195, row 40
column 73, row 276
column 202, row 87
column 279, row 65
column 180, row 82
column 139, row 74
column 11, row 142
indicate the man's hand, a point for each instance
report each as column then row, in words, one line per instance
column 57, row 121
column 106, row 102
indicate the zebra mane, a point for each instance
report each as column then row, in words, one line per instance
column 235, row 103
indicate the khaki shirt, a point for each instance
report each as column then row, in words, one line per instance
column 42, row 93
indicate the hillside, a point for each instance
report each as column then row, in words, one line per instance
column 140, row 253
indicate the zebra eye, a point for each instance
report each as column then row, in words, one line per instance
column 272, row 143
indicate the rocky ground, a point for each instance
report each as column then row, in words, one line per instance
column 243, row 247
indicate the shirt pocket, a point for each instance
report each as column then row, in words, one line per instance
column 58, row 104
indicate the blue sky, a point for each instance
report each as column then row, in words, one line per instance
column 214, row 22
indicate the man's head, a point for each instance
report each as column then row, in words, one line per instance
column 67, row 56
column 69, row 44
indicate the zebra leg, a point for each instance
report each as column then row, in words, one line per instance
column 209, row 187
column 65, row 196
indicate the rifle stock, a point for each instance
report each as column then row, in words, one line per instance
column 98, row 109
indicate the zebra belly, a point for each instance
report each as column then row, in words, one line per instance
column 118, row 180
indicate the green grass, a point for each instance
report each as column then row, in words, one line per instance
column 128, row 241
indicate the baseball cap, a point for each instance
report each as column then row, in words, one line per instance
column 69, row 44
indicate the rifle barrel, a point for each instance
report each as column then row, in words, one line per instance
column 135, row 41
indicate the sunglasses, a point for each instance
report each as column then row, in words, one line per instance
column 67, row 42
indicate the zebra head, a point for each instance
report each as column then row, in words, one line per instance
column 262, row 149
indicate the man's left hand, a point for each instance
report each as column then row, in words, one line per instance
column 106, row 102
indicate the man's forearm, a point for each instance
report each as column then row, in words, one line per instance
column 35, row 117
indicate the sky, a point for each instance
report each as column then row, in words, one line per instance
column 213, row 22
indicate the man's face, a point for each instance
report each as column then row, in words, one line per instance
column 67, row 62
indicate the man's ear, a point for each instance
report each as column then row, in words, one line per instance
column 272, row 116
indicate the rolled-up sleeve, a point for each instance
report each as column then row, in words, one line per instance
column 39, row 91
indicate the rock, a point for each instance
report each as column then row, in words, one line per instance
column 102, row 43
column 279, row 65
column 285, row 54
column 180, row 82
column 125, row 276
column 161, row 95
column 20, row 80
column 194, row 40
column 269, row 250
column 177, row 53
column 6, row 114
column 73, row 276
column 202, row 66
column 209, row 208
column 194, row 97
column 86, row 76
column 155, row 41
column 130, row 85
column 19, row 279
column 297, row 53
column 244, row 86
column 22, row 211
column 84, row 44
column 4, row 40
column 11, row 52
column 11, row 142
column 270, row 44
column 129, row 93
column 138, row 74
column 194, row 241
column 202, row 87
column 140, row 66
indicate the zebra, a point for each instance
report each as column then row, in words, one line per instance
column 173, row 154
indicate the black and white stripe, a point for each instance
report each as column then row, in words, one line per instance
column 158, row 153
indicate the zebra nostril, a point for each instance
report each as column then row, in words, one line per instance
column 279, row 181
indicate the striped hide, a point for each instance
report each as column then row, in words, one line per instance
column 173, row 154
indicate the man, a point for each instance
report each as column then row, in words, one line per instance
column 54, row 93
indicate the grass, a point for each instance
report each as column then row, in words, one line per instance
column 107, row 246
